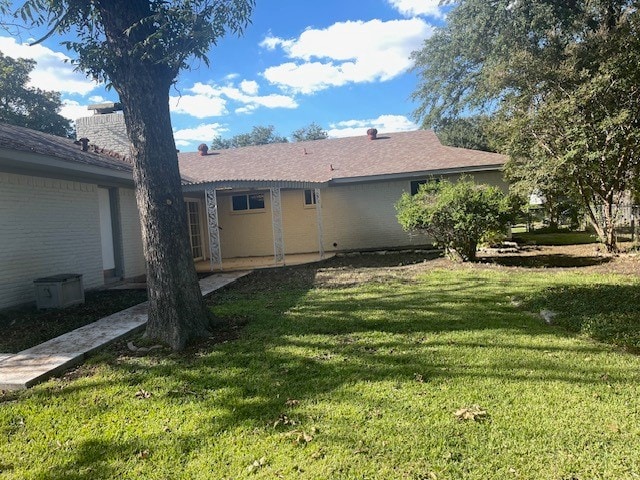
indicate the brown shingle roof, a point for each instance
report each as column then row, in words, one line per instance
column 332, row 159
column 31, row 141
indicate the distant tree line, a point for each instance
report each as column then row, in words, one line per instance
column 263, row 135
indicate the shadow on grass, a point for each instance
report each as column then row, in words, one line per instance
column 546, row 261
column 302, row 344
column 608, row 313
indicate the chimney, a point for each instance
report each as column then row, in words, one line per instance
column 105, row 128
column 372, row 133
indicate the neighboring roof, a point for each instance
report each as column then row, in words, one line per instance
column 337, row 160
column 29, row 141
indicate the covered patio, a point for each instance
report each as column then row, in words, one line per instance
column 233, row 223
column 253, row 263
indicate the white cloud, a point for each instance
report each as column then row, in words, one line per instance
column 212, row 100
column 202, row 133
column 249, row 87
column 74, row 110
column 51, row 71
column 412, row 8
column 199, row 105
column 384, row 124
column 346, row 52
column 97, row 99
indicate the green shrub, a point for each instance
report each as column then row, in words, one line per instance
column 456, row 215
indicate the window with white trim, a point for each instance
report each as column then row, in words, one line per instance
column 309, row 197
column 247, row 201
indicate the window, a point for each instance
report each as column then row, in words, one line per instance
column 195, row 238
column 415, row 184
column 309, row 197
column 249, row 201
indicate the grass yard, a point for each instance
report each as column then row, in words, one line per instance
column 423, row 371
column 555, row 238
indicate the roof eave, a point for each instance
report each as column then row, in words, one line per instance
column 417, row 174
column 33, row 164
column 244, row 184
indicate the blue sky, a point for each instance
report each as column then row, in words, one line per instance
column 343, row 64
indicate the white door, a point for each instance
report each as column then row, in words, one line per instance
column 106, row 230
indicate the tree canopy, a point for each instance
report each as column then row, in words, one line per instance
column 313, row 131
column 263, row 135
column 259, row 135
column 561, row 81
column 139, row 47
column 26, row 106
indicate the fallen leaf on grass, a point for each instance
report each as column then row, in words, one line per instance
column 301, row 437
column 143, row 454
column 284, row 420
column 474, row 412
column 291, row 402
column 142, row 394
column 418, row 378
column 257, row 465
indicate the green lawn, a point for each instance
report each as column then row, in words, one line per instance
column 333, row 377
column 555, row 238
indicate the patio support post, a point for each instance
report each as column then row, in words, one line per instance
column 276, row 220
column 215, row 254
column 319, row 222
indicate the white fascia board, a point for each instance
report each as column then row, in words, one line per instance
column 27, row 163
column 419, row 174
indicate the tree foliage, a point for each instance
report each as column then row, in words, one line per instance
column 313, row 131
column 263, row 135
column 139, row 47
column 561, row 78
column 465, row 132
column 259, row 135
column 26, row 106
column 457, row 215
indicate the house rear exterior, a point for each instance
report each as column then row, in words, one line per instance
column 63, row 210
column 69, row 209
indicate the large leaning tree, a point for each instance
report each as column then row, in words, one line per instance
column 26, row 106
column 139, row 47
column 562, row 82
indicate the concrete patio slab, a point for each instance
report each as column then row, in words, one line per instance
column 31, row 366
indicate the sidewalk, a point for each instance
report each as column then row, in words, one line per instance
column 25, row 369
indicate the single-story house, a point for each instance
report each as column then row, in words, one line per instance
column 57, row 201
column 317, row 196
column 63, row 210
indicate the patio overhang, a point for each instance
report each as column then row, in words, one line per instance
column 210, row 190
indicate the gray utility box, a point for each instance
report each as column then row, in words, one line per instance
column 59, row 291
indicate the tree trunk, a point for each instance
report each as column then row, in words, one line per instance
column 177, row 313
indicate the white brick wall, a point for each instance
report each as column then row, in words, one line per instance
column 106, row 131
column 132, row 251
column 47, row 227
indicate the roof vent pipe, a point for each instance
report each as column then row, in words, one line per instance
column 83, row 142
column 372, row 133
column 203, row 149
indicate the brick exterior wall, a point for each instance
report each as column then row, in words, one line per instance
column 52, row 226
column 48, row 227
column 106, row 131
column 132, row 251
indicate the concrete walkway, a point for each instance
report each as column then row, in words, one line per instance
column 31, row 366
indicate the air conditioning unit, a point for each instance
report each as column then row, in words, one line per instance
column 59, row 291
